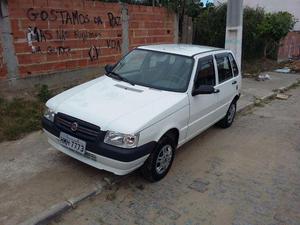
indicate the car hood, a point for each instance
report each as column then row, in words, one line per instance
column 116, row 105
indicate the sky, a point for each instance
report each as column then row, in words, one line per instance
column 205, row 1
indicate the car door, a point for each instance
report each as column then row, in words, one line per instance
column 203, row 106
column 226, row 83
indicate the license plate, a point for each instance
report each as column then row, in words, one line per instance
column 72, row 143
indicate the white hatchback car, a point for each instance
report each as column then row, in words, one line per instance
column 151, row 102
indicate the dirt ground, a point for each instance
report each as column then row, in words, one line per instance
column 247, row 174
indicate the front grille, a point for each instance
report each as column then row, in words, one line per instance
column 85, row 130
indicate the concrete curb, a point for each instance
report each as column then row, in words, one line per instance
column 58, row 209
column 46, row 216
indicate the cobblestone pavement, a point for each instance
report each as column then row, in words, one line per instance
column 247, row 174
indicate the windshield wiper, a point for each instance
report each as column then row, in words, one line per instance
column 119, row 77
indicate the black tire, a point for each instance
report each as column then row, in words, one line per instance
column 149, row 169
column 229, row 117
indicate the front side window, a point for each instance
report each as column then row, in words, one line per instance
column 157, row 70
column 205, row 72
column 224, row 67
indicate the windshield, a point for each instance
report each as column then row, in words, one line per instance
column 157, row 70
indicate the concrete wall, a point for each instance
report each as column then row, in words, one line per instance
column 52, row 36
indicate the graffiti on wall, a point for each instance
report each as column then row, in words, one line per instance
column 35, row 36
column 94, row 53
column 114, row 20
column 66, row 17
column 85, row 35
column 58, row 50
column 114, row 44
column 70, row 17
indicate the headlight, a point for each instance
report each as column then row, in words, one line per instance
column 49, row 114
column 121, row 140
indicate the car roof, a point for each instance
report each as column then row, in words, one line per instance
column 180, row 49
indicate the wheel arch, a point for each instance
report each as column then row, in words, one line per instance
column 172, row 133
column 236, row 98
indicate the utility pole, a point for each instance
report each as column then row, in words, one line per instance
column 234, row 29
column 6, row 37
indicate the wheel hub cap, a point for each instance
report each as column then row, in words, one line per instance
column 231, row 113
column 164, row 159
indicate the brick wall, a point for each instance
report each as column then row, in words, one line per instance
column 149, row 25
column 54, row 35
column 290, row 47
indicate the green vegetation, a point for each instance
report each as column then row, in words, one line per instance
column 21, row 116
column 262, row 31
column 44, row 94
column 272, row 28
column 210, row 26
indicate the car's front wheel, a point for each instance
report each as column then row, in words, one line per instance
column 160, row 160
column 229, row 117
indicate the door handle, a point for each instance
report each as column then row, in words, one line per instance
column 234, row 82
column 216, row 91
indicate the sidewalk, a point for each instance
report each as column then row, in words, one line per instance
column 252, row 89
column 34, row 177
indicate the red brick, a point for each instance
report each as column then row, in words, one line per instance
column 82, row 63
column 140, row 33
column 40, row 3
column 20, row 3
column 22, row 47
column 78, row 4
column 59, row 4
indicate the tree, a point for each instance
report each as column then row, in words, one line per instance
column 253, row 43
column 274, row 27
column 262, row 31
column 210, row 26
column 190, row 8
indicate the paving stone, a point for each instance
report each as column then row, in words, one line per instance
column 170, row 213
column 200, row 185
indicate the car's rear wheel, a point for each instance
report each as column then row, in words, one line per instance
column 160, row 160
column 229, row 117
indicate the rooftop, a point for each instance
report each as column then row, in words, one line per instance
column 180, row 49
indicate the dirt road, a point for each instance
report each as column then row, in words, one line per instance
column 247, row 174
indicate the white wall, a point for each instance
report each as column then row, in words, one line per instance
column 291, row 6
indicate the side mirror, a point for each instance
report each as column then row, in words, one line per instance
column 204, row 90
column 108, row 68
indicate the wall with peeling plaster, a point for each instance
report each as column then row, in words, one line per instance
column 289, row 47
column 52, row 35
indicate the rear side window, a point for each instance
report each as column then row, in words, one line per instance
column 205, row 72
column 224, row 67
column 234, row 65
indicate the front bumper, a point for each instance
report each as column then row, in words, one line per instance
column 100, row 155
